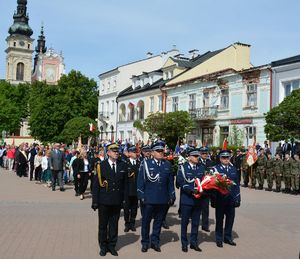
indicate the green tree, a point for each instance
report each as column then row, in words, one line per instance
column 172, row 126
column 235, row 137
column 76, row 127
column 13, row 106
column 283, row 121
column 51, row 106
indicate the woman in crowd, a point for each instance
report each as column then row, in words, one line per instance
column 82, row 172
column 38, row 166
column 46, row 171
column 11, row 153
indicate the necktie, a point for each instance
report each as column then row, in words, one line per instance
column 158, row 163
column 113, row 167
column 194, row 167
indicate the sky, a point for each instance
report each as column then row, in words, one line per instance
column 98, row 35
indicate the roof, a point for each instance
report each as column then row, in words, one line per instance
column 129, row 90
column 286, row 61
column 190, row 63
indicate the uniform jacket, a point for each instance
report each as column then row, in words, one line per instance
column 208, row 164
column 116, row 190
column 160, row 191
column 234, row 194
column 186, row 187
column 133, row 171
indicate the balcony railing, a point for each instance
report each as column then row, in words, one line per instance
column 103, row 116
column 205, row 113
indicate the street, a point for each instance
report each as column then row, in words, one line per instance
column 38, row 223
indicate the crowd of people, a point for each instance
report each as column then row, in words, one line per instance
column 128, row 177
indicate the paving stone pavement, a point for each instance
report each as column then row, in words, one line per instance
column 38, row 223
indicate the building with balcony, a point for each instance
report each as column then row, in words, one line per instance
column 223, row 100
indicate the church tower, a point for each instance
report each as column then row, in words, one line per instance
column 19, row 47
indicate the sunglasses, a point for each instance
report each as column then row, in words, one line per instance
column 159, row 151
column 225, row 157
column 195, row 156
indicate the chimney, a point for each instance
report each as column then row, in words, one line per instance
column 149, row 54
column 193, row 53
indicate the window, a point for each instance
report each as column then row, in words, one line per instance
column 152, row 104
column 15, row 44
column 122, row 135
column 28, row 46
column 151, row 80
column 291, row 86
column 115, row 83
column 20, row 72
column 142, row 82
column 206, row 99
column 224, row 99
column 250, row 133
column 108, row 85
column 192, row 102
column 252, row 95
column 175, row 104
column 103, row 86
column 129, row 135
column 159, row 108
column 112, row 107
column 107, row 107
column 224, row 133
column 102, row 107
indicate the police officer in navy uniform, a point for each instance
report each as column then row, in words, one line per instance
column 145, row 153
column 208, row 164
column 109, row 193
column 131, row 203
column 190, row 205
column 226, row 204
column 156, row 192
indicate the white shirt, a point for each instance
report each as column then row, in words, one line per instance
column 193, row 165
column 111, row 164
column 132, row 161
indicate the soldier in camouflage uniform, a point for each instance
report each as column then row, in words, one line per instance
column 269, row 172
column 295, row 172
column 260, row 169
column 277, row 169
column 245, row 169
column 253, row 174
column 287, row 173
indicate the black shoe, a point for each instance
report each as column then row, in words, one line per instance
column 144, row 248
column 102, row 252
column 127, row 228
column 76, row 194
column 53, row 189
column 206, row 229
column 229, row 242
column 113, row 251
column 62, row 189
column 133, row 228
column 184, row 249
column 219, row 244
column 156, row 248
column 196, row 248
column 165, row 225
column 260, row 187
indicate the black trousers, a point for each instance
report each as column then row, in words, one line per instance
column 83, row 182
column 37, row 173
column 31, row 169
column 130, row 211
column 108, row 226
column 76, row 183
column 205, row 213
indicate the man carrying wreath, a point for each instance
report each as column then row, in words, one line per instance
column 226, row 204
column 189, row 203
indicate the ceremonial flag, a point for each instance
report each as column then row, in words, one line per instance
column 251, row 155
column 225, row 142
column 92, row 127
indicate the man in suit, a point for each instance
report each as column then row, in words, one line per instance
column 57, row 164
column 207, row 164
column 131, row 203
column 226, row 204
column 109, row 193
column 155, row 188
column 190, row 205
column 32, row 154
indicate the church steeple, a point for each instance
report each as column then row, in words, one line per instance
column 21, row 26
column 41, row 46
